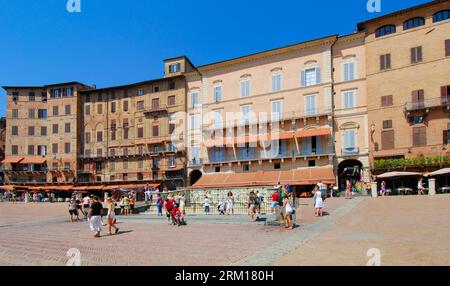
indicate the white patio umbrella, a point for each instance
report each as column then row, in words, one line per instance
column 398, row 174
column 440, row 172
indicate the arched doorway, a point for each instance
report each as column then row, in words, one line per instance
column 194, row 176
column 349, row 170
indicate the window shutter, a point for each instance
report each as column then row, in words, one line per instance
column 387, row 140
column 419, row 54
column 388, row 61
column 382, row 62
column 447, row 48
column 445, row 137
column 318, row 79
column 415, row 98
column 421, row 97
column 303, row 78
column 413, row 56
column 444, row 95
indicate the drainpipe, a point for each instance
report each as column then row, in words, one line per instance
column 333, row 136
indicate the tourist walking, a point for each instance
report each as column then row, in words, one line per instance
column 182, row 203
column 318, row 202
column 132, row 204
column 275, row 198
column 73, row 210
column 259, row 201
column 383, row 188
column 168, row 206
column 126, row 205
column 112, row 217
column 289, row 211
column 348, row 190
column 86, row 205
column 230, row 203
column 207, row 205
column 251, row 203
column 159, row 204
column 95, row 216
column 420, row 187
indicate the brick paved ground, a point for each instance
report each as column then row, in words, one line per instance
column 407, row 230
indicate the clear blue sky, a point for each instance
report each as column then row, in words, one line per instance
column 123, row 41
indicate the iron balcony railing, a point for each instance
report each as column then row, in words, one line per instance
column 427, row 104
column 351, row 151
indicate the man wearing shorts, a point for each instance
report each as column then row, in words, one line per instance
column 95, row 216
column 275, row 198
column 86, row 205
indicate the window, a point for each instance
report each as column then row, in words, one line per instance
column 30, row 130
column 217, row 169
column 174, row 68
column 15, row 96
column 246, row 168
column 112, row 152
column 171, row 100
column 68, row 110
column 99, row 108
column 155, row 130
column 441, row 16
column 245, row 87
column 447, row 48
column 447, row 135
column 155, row 103
column 30, row 149
column 276, row 82
column 14, row 130
column 416, row 55
column 56, row 93
column 310, row 104
column 385, row 30
column 246, row 114
column 172, row 162
column 386, row 101
column 140, row 105
column 414, row 120
column 418, row 99
column 140, row 91
column 88, row 98
column 125, row 105
column 125, row 151
column 387, row 124
column 42, row 150
column 113, row 107
column 44, row 96
column 15, row 150
column 113, row 135
column 349, row 99
column 141, row 150
column 140, row 132
column 156, row 89
column 31, row 96
column 194, row 99
column 87, row 110
column 55, row 110
column 349, row 71
column 349, row 140
column 69, row 91
column 113, row 95
column 99, row 152
column 445, row 95
column 55, row 128
column 387, row 140
column 99, row 136
column 87, row 153
column 15, row 113
column 125, row 166
column 67, row 127
column 31, row 114
column 100, row 97
column 42, row 113
column 277, row 110
column 413, row 23
column 310, row 77
column 218, row 121
column 195, row 122
column 67, row 166
column 172, row 123
column 419, row 136
column 385, row 62
column 87, row 137
column 67, row 148
column 311, row 163
column 43, row 131
column 217, row 93
column 172, row 85
column 277, row 166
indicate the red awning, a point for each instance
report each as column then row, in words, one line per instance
column 313, row 132
column 12, row 160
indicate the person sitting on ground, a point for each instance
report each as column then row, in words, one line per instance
column 221, row 208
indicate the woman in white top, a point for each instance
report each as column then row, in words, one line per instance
column 230, row 203
column 112, row 216
column 420, row 188
column 318, row 203
column 289, row 211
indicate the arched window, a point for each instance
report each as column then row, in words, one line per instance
column 441, row 16
column 413, row 23
column 385, row 30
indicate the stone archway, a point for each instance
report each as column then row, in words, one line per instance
column 194, row 176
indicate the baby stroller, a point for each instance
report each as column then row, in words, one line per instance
column 177, row 216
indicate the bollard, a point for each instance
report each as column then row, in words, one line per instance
column 432, row 187
column 374, row 190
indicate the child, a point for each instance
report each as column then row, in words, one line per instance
column 221, row 208
column 178, row 216
column 207, row 202
column 175, row 210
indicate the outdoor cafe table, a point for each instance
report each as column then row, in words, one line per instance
column 405, row 191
